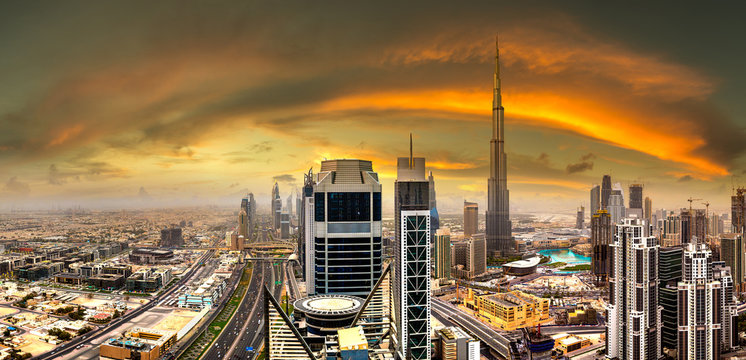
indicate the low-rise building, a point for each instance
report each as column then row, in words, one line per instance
column 569, row 342
column 206, row 294
column 139, row 343
column 509, row 311
column 455, row 344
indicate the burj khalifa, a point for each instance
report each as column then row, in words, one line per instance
column 499, row 229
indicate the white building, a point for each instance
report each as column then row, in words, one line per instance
column 634, row 317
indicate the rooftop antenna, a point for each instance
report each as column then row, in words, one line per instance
column 411, row 156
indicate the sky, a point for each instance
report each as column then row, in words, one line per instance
column 141, row 103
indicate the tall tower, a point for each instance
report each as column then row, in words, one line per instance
column 411, row 276
column 595, row 199
column 276, row 207
column 605, row 191
column 499, row 229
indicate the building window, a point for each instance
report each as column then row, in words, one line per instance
column 319, row 207
column 348, row 206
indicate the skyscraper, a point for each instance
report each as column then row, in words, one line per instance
column 471, row 218
column 289, row 205
column 729, row 312
column 633, row 329
column 595, row 199
column 343, row 248
column 305, row 221
column 699, row 306
column 477, row 255
column 732, row 253
column 580, row 218
column 616, row 206
column 276, row 207
column 738, row 211
column 669, row 275
column 605, row 191
column 648, row 210
column 443, row 253
column 243, row 224
column 601, row 235
column 635, row 196
column 434, row 217
column 499, row 229
column 411, row 276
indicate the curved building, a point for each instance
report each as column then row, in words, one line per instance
column 522, row 267
column 325, row 314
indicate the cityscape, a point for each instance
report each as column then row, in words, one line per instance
column 205, row 181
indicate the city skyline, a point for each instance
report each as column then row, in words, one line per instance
column 157, row 112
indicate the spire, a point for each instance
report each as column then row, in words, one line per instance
column 411, row 156
column 497, row 64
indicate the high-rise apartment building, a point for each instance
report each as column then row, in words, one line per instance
column 616, row 206
column 733, row 254
column 443, row 253
column 669, row 275
column 595, row 199
column 635, row 196
column 411, row 275
column 648, row 210
column 499, row 228
column 171, row 237
column 633, row 327
column 699, row 306
column 601, row 237
column 455, row 344
column 738, row 211
column 477, row 255
column 284, row 226
column 580, row 218
column 471, row 218
column 343, row 247
column 728, row 304
column 289, row 205
column 605, row 191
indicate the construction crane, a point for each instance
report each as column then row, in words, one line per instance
column 690, row 200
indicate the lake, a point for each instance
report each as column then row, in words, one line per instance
column 565, row 256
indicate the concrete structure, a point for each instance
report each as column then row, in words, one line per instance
column 605, row 191
column 601, row 234
column 738, row 211
column 150, row 256
column 499, row 228
column 509, row 311
column 635, row 198
column 733, row 254
column 456, row 344
column 411, row 272
column 243, row 224
column 699, row 306
column 443, row 253
column 633, row 329
column 352, row 343
column 284, row 226
column 345, row 254
column 569, row 342
column 728, row 305
column 477, row 255
column 648, row 210
column 471, row 218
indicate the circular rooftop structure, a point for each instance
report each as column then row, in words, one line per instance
column 325, row 314
column 522, row 267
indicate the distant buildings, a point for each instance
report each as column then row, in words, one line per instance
column 738, row 211
column 243, row 224
column 434, row 217
column 206, row 294
column 509, row 311
column 471, row 218
column 601, row 235
column 595, row 199
column 443, row 254
column 171, row 237
column 635, row 201
column 276, row 206
column 648, row 205
column 284, row 226
column 633, row 328
column 469, row 257
column 580, row 218
column 616, row 206
column 345, row 254
column 605, row 191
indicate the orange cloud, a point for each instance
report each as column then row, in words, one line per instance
column 620, row 127
column 65, row 135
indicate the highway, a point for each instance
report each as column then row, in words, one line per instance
column 246, row 328
column 99, row 335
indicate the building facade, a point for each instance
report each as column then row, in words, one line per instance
column 633, row 314
column 443, row 254
column 733, row 254
column 471, row 218
column 601, row 235
column 343, row 243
